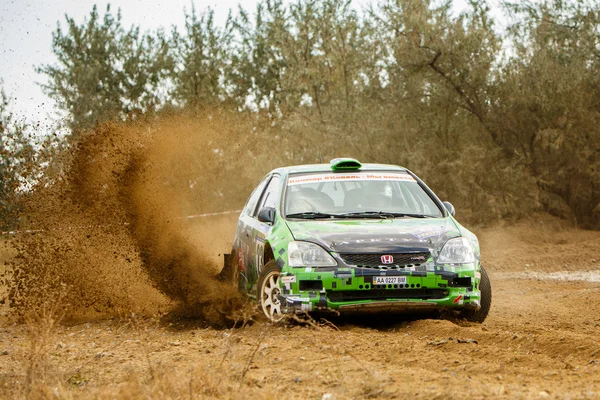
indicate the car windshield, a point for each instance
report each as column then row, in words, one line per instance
column 357, row 195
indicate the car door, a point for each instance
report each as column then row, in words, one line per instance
column 258, row 231
column 242, row 243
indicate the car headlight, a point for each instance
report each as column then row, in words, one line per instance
column 456, row 251
column 305, row 254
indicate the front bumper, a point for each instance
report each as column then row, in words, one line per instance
column 351, row 289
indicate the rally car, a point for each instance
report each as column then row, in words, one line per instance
column 351, row 237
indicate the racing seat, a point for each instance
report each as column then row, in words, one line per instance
column 354, row 198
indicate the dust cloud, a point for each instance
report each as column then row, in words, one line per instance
column 114, row 238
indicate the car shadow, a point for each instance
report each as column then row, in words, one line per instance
column 383, row 321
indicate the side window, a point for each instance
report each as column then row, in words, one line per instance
column 251, row 203
column 271, row 194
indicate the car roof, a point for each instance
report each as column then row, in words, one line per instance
column 309, row 168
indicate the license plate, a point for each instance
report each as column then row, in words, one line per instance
column 389, row 280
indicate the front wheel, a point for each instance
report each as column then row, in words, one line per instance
column 485, row 300
column 268, row 292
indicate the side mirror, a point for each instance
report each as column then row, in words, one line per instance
column 449, row 207
column 266, row 214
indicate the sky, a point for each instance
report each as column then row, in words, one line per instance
column 26, row 28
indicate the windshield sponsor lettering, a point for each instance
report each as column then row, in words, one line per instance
column 297, row 180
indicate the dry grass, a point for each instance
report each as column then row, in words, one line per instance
column 55, row 363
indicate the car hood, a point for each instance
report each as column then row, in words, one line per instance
column 376, row 236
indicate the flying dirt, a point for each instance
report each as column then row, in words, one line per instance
column 114, row 237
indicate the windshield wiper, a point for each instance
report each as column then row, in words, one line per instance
column 380, row 214
column 362, row 214
column 311, row 215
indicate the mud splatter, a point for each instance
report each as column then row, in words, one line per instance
column 113, row 239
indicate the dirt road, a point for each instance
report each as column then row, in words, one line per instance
column 541, row 340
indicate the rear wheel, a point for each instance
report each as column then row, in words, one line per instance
column 268, row 292
column 485, row 300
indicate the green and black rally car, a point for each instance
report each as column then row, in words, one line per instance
column 354, row 237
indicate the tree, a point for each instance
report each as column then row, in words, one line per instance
column 15, row 162
column 303, row 57
column 547, row 104
column 326, row 58
column 200, row 57
column 105, row 72
column 258, row 64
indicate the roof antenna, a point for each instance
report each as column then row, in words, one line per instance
column 320, row 158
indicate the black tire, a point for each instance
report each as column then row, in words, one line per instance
column 486, row 300
column 267, row 292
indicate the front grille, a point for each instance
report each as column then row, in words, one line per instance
column 374, row 260
column 378, row 294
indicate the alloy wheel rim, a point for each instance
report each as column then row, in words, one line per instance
column 270, row 303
